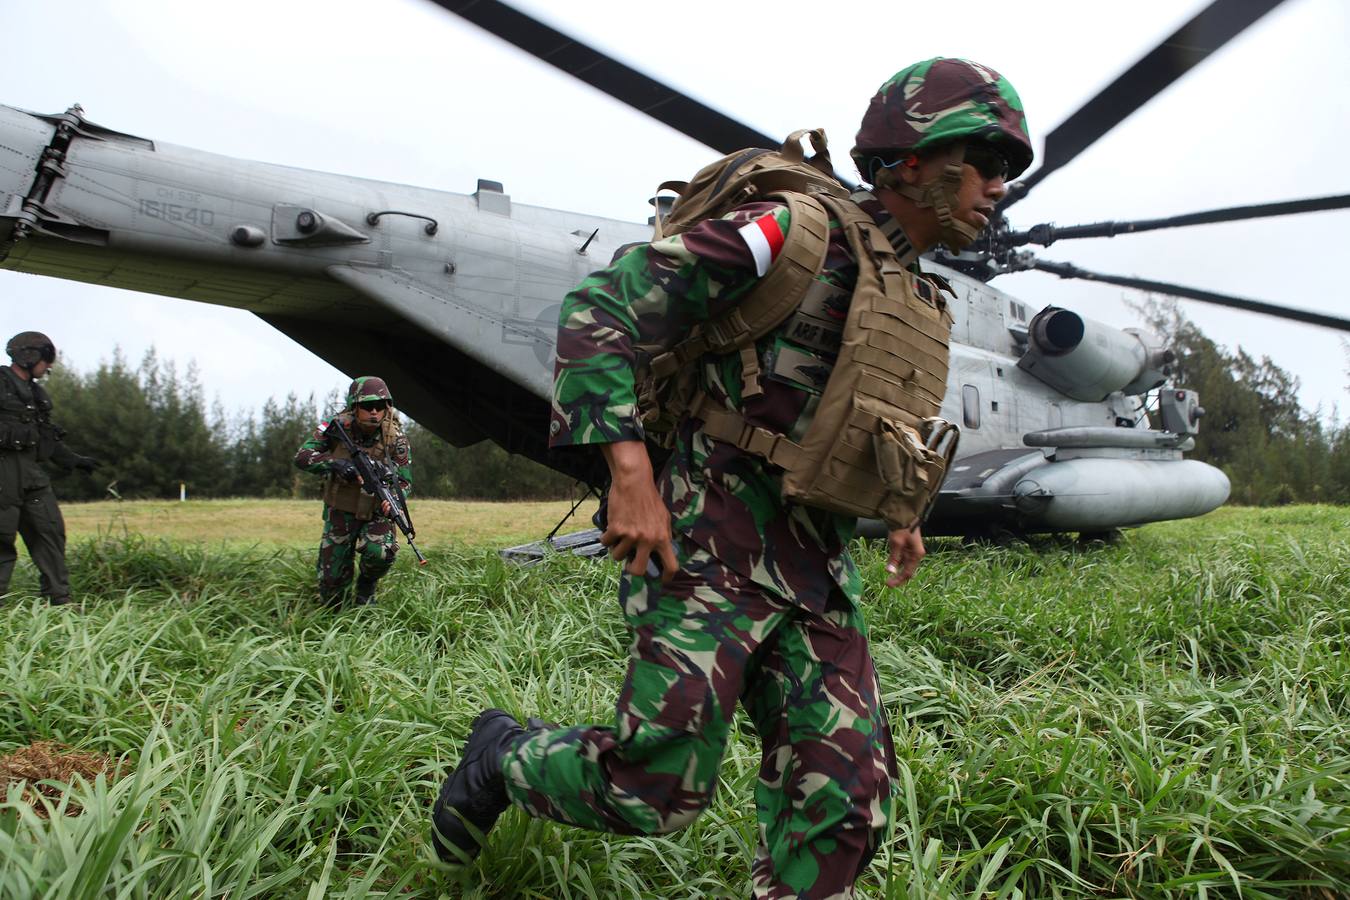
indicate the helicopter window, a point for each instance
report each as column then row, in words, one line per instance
column 993, row 406
column 970, row 406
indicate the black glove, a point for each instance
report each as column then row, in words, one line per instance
column 86, row 463
column 342, row 469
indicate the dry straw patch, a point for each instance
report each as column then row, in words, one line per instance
column 44, row 762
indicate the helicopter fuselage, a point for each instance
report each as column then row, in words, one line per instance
column 455, row 298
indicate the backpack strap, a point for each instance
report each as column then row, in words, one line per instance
column 730, row 427
column 773, row 299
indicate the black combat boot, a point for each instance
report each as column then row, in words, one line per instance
column 475, row 792
column 59, row 601
column 365, row 591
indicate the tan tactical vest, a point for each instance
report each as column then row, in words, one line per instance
column 875, row 446
column 350, row 496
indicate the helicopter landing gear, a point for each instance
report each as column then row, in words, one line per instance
column 1110, row 537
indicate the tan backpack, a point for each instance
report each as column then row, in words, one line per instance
column 666, row 375
column 875, row 446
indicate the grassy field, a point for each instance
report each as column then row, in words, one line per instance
column 296, row 523
column 1168, row 716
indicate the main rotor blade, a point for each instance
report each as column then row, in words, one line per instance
column 623, row 83
column 1047, row 234
column 1067, row 270
column 1191, row 44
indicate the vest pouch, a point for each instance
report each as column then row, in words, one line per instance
column 847, row 477
column 912, row 463
column 17, row 435
column 349, row 497
column 883, row 463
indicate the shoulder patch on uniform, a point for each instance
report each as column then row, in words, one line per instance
column 765, row 240
column 323, row 424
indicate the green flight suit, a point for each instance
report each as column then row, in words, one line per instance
column 28, row 437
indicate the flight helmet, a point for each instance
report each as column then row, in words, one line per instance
column 28, row 348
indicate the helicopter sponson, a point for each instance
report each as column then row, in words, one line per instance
column 1089, row 458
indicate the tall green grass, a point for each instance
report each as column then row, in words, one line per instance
column 1163, row 717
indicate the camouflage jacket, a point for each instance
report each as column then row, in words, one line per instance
column 726, row 501
column 315, row 453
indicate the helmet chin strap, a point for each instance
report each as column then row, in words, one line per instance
column 940, row 194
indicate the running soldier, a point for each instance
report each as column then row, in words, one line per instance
column 351, row 526
column 757, row 598
column 29, row 437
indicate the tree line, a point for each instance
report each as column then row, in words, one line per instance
column 1272, row 449
column 153, row 430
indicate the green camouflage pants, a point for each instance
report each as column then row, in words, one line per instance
column 38, row 519
column 345, row 538
column 700, row 644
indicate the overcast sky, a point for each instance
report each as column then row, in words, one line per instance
column 399, row 90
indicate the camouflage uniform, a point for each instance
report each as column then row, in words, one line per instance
column 352, row 533
column 764, row 607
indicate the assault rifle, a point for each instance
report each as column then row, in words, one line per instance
column 381, row 482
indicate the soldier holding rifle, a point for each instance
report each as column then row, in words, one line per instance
column 357, row 522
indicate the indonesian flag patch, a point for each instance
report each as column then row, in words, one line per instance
column 765, row 240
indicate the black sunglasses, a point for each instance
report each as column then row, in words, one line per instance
column 987, row 159
column 372, row 405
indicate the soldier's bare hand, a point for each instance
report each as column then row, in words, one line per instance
column 385, row 507
column 906, row 552
column 639, row 523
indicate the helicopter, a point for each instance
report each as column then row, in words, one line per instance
column 457, row 298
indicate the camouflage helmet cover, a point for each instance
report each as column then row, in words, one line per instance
column 939, row 100
column 28, row 348
column 366, row 388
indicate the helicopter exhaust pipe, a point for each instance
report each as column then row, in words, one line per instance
column 1089, row 361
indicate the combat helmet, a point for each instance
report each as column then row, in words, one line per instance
column 367, row 388
column 941, row 102
column 28, row 348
